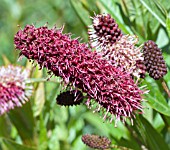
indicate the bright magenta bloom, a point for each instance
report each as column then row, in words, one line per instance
column 112, row 89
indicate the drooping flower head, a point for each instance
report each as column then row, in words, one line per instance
column 112, row 89
column 120, row 50
column 96, row 141
column 14, row 91
column 70, row 98
column 153, row 60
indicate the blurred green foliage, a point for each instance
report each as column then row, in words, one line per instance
column 40, row 123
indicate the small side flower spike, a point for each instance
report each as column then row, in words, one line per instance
column 14, row 91
column 153, row 59
column 96, row 141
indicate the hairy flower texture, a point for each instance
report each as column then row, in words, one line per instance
column 96, row 141
column 70, row 98
column 120, row 50
column 13, row 88
column 141, row 68
column 112, row 89
column 104, row 31
column 125, row 55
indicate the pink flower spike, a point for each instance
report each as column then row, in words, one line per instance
column 14, row 91
column 112, row 89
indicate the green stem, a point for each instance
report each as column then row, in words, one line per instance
column 34, row 80
column 165, row 87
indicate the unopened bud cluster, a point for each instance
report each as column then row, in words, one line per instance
column 104, row 31
column 153, row 59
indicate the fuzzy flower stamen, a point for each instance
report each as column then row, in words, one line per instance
column 14, row 91
column 120, row 50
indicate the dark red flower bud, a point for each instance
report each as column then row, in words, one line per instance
column 153, row 59
column 104, row 31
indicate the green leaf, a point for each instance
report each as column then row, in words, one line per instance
column 129, row 143
column 159, row 103
column 155, row 97
column 149, row 134
column 43, row 139
column 22, row 119
column 106, row 127
column 168, row 25
column 5, row 60
column 5, row 126
column 39, row 99
column 151, row 6
column 11, row 145
column 81, row 12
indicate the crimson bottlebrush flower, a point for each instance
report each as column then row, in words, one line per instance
column 70, row 98
column 14, row 90
column 96, row 141
column 114, row 90
column 104, row 31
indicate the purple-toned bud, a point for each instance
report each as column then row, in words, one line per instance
column 112, row 89
column 104, row 31
column 96, row 141
column 14, row 91
column 70, row 98
column 153, row 60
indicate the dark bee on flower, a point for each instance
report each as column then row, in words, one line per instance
column 70, row 98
